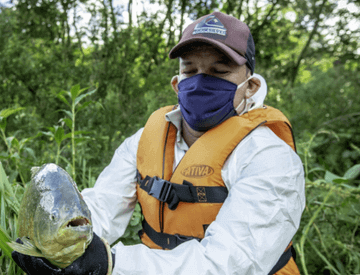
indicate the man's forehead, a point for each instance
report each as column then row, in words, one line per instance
column 204, row 51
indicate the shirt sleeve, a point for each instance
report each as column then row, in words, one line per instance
column 113, row 198
column 253, row 227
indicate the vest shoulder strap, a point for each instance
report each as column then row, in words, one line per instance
column 157, row 143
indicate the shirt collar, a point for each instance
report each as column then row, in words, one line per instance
column 174, row 117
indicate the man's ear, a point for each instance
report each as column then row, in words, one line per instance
column 253, row 87
column 174, row 83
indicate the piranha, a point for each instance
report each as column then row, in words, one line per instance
column 54, row 221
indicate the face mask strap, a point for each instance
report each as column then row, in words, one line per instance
column 248, row 104
column 242, row 84
column 236, row 109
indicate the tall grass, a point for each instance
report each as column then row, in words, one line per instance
column 9, row 197
column 328, row 241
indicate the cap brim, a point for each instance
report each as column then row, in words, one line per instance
column 180, row 48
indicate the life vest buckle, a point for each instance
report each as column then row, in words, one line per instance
column 160, row 188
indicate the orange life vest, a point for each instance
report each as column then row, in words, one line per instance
column 197, row 179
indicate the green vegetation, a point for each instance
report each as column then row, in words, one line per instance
column 306, row 50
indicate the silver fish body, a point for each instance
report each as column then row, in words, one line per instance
column 54, row 221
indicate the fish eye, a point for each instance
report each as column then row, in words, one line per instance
column 54, row 215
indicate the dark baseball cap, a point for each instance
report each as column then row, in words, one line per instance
column 225, row 32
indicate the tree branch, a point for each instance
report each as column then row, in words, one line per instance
column 266, row 20
column 239, row 11
column 78, row 35
column 302, row 54
column 183, row 6
column 113, row 20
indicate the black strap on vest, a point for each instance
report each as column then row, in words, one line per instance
column 168, row 241
column 284, row 259
column 173, row 193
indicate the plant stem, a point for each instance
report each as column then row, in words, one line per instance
column 329, row 265
column 4, row 138
column 307, row 228
column 57, row 155
column 321, row 240
column 73, row 140
column 10, row 154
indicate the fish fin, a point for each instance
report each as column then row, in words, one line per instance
column 27, row 248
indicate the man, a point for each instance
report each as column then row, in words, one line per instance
column 220, row 185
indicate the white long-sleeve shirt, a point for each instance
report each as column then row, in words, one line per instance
column 258, row 219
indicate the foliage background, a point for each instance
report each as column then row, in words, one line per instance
column 308, row 51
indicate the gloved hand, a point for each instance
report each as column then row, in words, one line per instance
column 95, row 260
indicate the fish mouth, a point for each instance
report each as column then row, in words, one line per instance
column 77, row 221
column 74, row 230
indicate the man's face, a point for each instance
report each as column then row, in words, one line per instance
column 205, row 59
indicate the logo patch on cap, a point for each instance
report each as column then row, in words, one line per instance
column 210, row 24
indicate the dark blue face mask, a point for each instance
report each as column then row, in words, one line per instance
column 206, row 101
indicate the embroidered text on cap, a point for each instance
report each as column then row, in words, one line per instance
column 210, row 24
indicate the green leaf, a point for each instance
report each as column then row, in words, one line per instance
column 329, row 177
column 15, row 143
column 62, row 98
column 4, row 239
column 357, row 267
column 80, row 139
column 59, row 135
column 15, row 156
column 353, row 146
column 81, row 91
column 353, row 172
column 99, row 105
column 84, row 106
column 23, row 141
column 31, row 152
column 316, row 169
column 340, row 266
column 50, row 133
column 77, row 100
column 4, row 182
column 8, row 112
column 67, row 121
column 2, row 123
column 74, row 91
column 68, row 135
column 135, row 220
column 349, row 186
column 4, row 155
column 340, row 180
column 68, row 113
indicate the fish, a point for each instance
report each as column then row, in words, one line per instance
column 54, row 221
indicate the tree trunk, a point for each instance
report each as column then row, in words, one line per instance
column 183, row 6
column 130, row 14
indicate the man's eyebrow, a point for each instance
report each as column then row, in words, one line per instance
column 224, row 61
column 186, row 62
column 221, row 61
